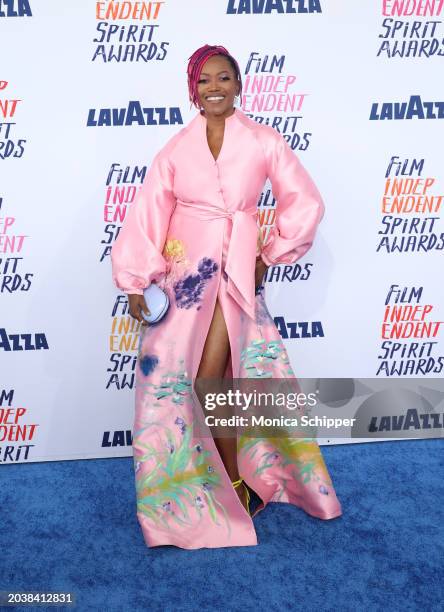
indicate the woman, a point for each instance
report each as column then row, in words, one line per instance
column 193, row 230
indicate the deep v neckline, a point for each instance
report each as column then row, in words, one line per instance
column 221, row 146
column 224, row 137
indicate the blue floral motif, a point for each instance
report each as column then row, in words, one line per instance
column 188, row 290
column 207, row 267
column 181, row 423
column 263, row 316
column 199, row 503
column 147, row 363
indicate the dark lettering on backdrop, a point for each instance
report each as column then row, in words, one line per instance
column 9, row 147
column 405, row 34
column 15, row 8
column 266, row 89
column 129, row 32
column 414, row 108
column 408, row 193
column 15, row 435
column 12, row 277
column 409, row 335
column 267, row 7
column 122, row 187
column 123, row 339
column 133, row 114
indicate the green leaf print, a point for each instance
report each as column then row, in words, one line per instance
column 181, row 482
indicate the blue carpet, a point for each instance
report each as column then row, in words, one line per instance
column 71, row 526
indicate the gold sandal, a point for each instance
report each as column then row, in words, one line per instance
column 237, row 483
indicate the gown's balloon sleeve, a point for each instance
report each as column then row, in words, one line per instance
column 299, row 208
column 136, row 255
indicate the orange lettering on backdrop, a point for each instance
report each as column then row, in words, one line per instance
column 124, row 325
column 125, row 343
column 124, row 334
column 266, row 217
column 410, row 196
column 406, row 186
column 409, row 204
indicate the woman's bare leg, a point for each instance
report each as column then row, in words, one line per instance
column 212, row 365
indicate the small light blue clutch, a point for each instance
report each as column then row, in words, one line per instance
column 157, row 301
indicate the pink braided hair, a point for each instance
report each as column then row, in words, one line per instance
column 198, row 59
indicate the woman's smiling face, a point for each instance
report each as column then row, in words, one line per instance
column 217, row 86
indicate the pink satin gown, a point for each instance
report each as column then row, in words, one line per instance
column 193, row 230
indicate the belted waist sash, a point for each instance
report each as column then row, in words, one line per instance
column 241, row 256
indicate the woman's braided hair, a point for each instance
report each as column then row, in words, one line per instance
column 198, row 59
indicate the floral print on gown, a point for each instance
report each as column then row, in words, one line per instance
column 193, row 230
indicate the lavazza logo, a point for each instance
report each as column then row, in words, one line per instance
column 267, row 7
column 414, row 108
column 22, row 342
column 15, row 8
column 134, row 114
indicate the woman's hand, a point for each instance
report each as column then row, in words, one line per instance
column 261, row 268
column 137, row 304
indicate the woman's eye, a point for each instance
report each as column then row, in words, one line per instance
column 224, row 78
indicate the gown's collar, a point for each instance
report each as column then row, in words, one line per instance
column 235, row 115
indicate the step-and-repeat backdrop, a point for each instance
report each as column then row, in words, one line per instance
column 89, row 92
